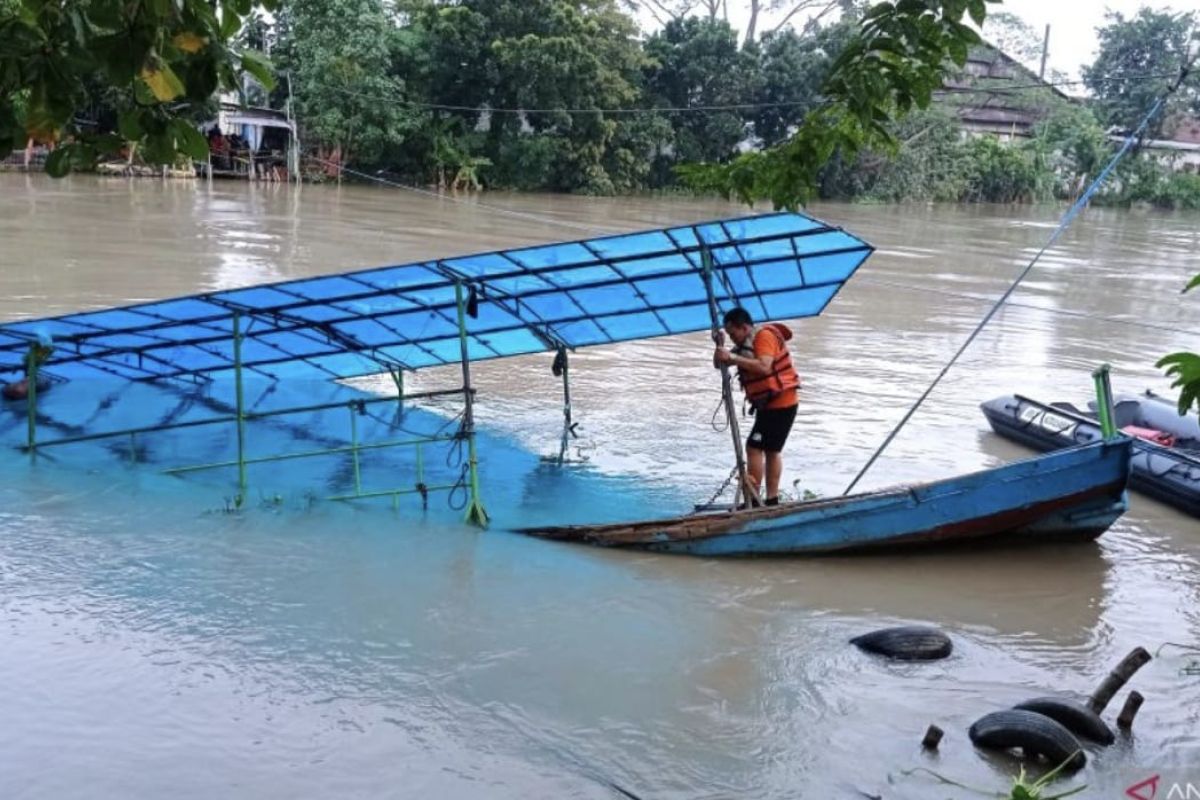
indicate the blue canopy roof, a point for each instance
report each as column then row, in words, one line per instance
column 598, row 291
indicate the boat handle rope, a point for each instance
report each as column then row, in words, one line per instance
column 1134, row 137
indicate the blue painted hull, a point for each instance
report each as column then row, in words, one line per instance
column 1068, row 495
column 1168, row 474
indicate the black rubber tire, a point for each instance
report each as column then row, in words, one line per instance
column 907, row 643
column 1035, row 734
column 1075, row 717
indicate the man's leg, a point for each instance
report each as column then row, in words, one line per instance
column 774, row 472
column 754, row 469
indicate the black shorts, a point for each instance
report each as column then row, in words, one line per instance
column 771, row 429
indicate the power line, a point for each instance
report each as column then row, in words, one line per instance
column 476, row 204
column 717, row 108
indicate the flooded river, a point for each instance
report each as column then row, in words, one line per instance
column 148, row 649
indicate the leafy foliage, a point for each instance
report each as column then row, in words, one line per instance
column 697, row 63
column 165, row 59
column 339, row 56
column 894, row 65
column 1138, row 57
column 1185, row 369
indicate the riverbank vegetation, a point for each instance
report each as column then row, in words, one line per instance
column 571, row 96
column 565, row 96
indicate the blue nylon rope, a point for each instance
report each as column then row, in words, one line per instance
column 1067, row 219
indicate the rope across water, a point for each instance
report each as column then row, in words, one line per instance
column 1067, row 219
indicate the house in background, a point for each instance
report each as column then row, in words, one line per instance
column 251, row 142
column 1179, row 149
column 996, row 95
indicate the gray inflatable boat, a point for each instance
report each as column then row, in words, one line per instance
column 1166, row 450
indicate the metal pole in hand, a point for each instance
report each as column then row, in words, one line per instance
column 744, row 489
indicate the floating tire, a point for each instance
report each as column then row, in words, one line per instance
column 907, row 643
column 1075, row 717
column 1035, row 734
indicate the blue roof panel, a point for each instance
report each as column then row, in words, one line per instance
column 612, row 288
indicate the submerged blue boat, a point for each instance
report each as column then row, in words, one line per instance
column 1073, row 494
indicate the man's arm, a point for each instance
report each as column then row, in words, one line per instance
column 758, row 366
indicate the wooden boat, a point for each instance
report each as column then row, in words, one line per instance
column 1166, row 446
column 1073, row 494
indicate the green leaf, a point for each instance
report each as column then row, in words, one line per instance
column 978, row 11
column 129, row 123
column 231, row 21
column 1192, row 284
column 58, row 163
column 162, row 81
column 189, row 140
column 1185, row 368
column 260, row 68
column 105, row 144
column 159, row 148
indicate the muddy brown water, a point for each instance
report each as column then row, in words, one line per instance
column 147, row 650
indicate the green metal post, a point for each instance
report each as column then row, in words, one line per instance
column 1104, row 402
column 241, row 408
column 475, row 511
column 354, row 450
column 420, row 464
column 31, row 375
column 398, row 379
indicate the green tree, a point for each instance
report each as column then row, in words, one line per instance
column 543, row 75
column 1015, row 38
column 697, row 64
column 338, row 56
column 164, row 59
column 790, row 72
column 1137, row 59
column 895, row 63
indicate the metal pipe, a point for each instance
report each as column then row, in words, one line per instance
column 1104, row 402
column 249, row 416
column 31, row 375
column 241, row 408
column 562, row 447
column 392, row 492
column 308, row 454
column 744, row 487
column 475, row 511
column 354, row 450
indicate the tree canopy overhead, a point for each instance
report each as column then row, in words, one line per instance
column 163, row 58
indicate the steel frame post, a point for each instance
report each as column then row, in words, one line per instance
column 566, row 381
column 744, row 490
column 476, row 514
column 1104, row 402
column 31, row 376
column 241, row 409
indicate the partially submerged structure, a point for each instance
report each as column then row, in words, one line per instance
column 233, row 384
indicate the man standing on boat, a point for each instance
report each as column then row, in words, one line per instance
column 771, row 385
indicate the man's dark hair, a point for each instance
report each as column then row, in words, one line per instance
column 738, row 316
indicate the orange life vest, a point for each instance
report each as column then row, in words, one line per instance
column 760, row 390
